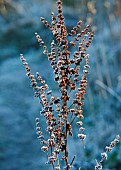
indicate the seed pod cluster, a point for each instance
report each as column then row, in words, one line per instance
column 38, row 130
column 29, row 74
column 104, row 155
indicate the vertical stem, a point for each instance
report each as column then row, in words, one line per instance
column 66, row 139
column 66, row 149
column 51, row 152
column 53, row 166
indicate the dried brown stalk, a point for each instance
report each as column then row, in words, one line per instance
column 66, row 67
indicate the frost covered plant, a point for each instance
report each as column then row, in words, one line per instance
column 104, row 155
column 61, row 112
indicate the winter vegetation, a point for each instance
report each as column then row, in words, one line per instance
column 71, row 131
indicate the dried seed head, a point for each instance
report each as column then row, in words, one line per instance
column 51, row 160
column 86, row 71
column 42, row 19
column 72, row 110
column 116, row 140
column 104, row 155
column 44, row 148
column 113, row 144
column 52, row 136
column 39, row 133
column 98, row 167
column 81, row 129
column 37, row 119
column 73, row 43
column 80, row 123
column 59, row 2
column 38, row 128
column 57, row 168
column 41, row 137
column 69, row 167
column 86, row 66
column 82, row 136
column 108, row 149
column 49, row 92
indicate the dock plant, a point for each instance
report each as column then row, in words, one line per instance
column 70, row 70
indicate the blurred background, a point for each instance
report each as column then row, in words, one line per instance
column 19, row 20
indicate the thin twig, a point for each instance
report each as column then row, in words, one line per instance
column 73, row 160
column 108, row 89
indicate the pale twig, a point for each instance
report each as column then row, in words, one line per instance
column 109, row 90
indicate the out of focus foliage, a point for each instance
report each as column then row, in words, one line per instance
column 19, row 20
